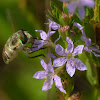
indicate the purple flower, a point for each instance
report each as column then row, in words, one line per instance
column 38, row 43
column 49, row 75
column 88, row 46
column 53, row 25
column 68, row 56
column 45, row 37
column 80, row 27
column 79, row 4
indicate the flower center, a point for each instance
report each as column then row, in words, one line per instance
column 69, row 55
column 53, row 74
column 74, row 0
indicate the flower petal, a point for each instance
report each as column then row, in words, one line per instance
column 44, row 65
column 78, row 50
column 79, row 26
column 42, row 34
column 37, row 41
column 97, row 55
column 95, row 48
column 40, row 75
column 88, row 3
column 80, row 65
column 70, row 67
column 42, row 43
column 59, row 61
column 57, row 39
column 33, row 49
column 48, row 84
column 53, row 25
column 70, row 45
column 81, row 11
column 87, row 49
column 71, row 7
column 59, row 84
column 50, row 67
column 49, row 34
column 60, row 50
column 87, row 41
column 36, row 45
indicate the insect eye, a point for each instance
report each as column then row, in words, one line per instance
column 24, row 39
column 22, row 36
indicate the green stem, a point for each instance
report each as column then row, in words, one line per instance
column 97, row 11
column 50, row 44
column 57, row 70
column 67, row 97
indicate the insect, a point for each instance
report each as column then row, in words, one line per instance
column 14, row 44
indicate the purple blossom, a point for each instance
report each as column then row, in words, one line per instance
column 88, row 46
column 49, row 74
column 44, row 36
column 79, row 4
column 37, row 44
column 68, row 56
column 53, row 25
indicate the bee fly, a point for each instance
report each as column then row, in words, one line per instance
column 14, row 44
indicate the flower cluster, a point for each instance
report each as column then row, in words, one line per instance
column 38, row 43
column 67, row 56
column 64, row 58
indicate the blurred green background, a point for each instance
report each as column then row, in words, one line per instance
column 16, row 82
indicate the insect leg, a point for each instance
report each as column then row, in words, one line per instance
column 37, row 56
column 27, row 54
column 37, row 50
